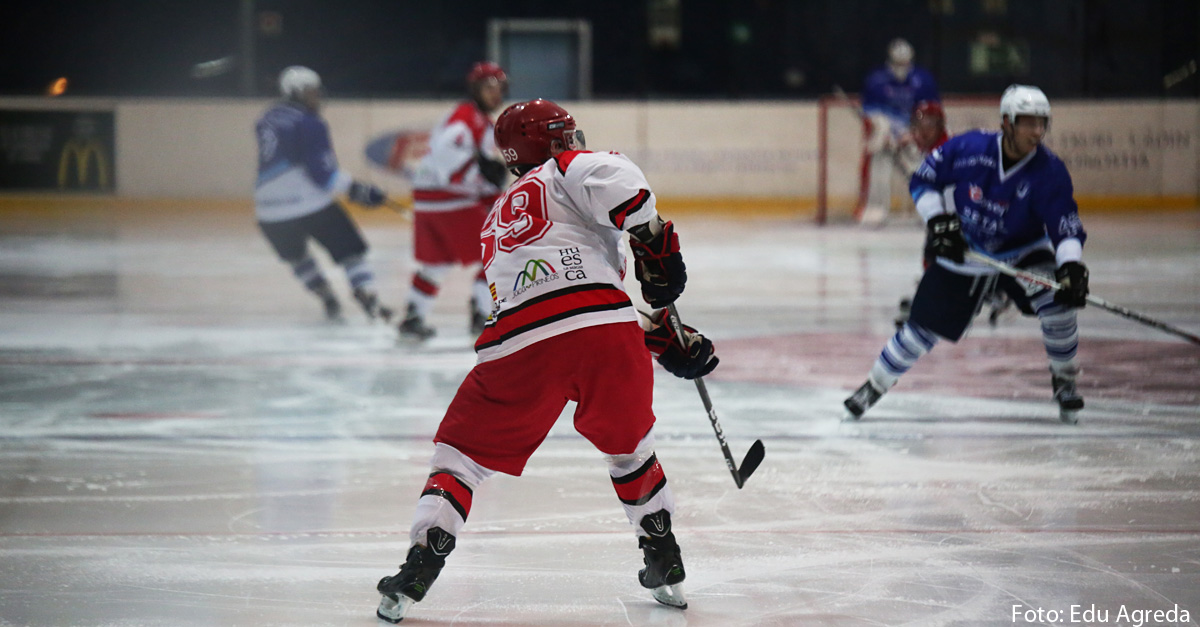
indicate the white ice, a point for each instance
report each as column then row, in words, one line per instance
column 186, row 442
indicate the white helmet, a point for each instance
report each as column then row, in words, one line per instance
column 900, row 52
column 1024, row 100
column 294, row 80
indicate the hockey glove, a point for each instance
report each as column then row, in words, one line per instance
column 944, row 238
column 494, row 171
column 697, row 360
column 659, row 267
column 1073, row 277
column 366, row 194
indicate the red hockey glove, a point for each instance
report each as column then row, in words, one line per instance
column 697, row 360
column 659, row 267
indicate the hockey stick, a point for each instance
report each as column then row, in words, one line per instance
column 755, row 455
column 402, row 207
column 841, row 94
column 1099, row 302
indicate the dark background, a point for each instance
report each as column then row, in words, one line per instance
column 726, row 49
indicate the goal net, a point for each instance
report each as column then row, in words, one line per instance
column 840, row 144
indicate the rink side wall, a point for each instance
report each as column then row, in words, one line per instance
column 752, row 156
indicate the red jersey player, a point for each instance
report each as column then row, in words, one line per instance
column 453, row 187
column 553, row 253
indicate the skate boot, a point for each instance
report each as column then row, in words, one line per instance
column 663, row 573
column 413, row 326
column 1069, row 400
column 478, row 320
column 419, row 570
column 371, row 305
column 862, row 400
column 333, row 309
column 1000, row 304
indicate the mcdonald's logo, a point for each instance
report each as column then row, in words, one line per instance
column 530, row 273
column 82, row 153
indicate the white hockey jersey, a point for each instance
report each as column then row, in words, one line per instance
column 554, row 251
column 448, row 176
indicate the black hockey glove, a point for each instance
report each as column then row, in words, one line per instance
column 366, row 194
column 659, row 267
column 944, row 238
column 1073, row 277
column 494, row 171
column 699, row 358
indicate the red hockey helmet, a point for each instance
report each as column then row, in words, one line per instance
column 486, row 71
column 524, row 131
column 928, row 109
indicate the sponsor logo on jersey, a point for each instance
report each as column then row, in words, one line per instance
column 1023, row 189
column 528, row 278
column 398, row 152
column 572, row 263
column 1070, row 226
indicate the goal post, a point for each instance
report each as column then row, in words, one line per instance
column 841, row 140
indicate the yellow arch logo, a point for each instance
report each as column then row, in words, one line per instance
column 81, row 152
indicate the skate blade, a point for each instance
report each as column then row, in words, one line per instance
column 849, row 416
column 394, row 611
column 671, row 595
column 1069, row 416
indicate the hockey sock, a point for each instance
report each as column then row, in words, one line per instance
column 426, row 282
column 305, row 269
column 446, row 498
column 640, row 482
column 901, row 352
column 1060, row 330
column 358, row 272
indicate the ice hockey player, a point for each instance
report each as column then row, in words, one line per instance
column 296, row 195
column 455, row 184
column 553, row 254
column 890, row 94
column 1012, row 200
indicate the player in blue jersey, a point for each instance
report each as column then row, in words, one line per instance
column 891, row 93
column 296, row 195
column 1006, row 196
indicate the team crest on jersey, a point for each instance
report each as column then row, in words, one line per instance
column 975, row 193
column 536, row 272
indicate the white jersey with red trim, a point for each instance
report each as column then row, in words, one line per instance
column 554, row 249
column 448, row 176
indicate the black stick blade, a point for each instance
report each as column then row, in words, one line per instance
column 753, row 458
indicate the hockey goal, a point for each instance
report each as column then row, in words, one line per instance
column 840, row 142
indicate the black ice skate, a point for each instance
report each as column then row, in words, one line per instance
column 413, row 326
column 663, row 573
column 862, row 400
column 420, row 569
column 333, row 309
column 1069, row 400
column 371, row 305
column 478, row 320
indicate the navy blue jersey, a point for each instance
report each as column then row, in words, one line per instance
column 1003, row 214
column 884, row 93
column 297, row 171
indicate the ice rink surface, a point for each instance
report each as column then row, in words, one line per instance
column 186, row 442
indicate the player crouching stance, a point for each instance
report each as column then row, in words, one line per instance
column 552, row 249
column 1012, row 200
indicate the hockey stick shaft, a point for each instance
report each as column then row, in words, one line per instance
column 1045, row 281
column 755, row 455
